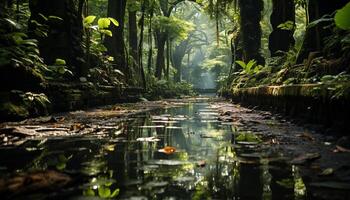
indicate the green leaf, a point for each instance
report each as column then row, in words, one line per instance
column 115, row 193
column 89, row 19
column 51, row 17
column 43, row 16
column 103, row 23
column 250, row 64
column 104, row 192
column 89, row 192
column 59, row 61
column 114, row 21
column 288, row 25
column 61, row 70
column 342, row 17
column 241, row 63
column 107, row 32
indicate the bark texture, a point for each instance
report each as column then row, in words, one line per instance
column 250, row 12
column 280, row 39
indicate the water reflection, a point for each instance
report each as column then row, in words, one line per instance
column 205, row 164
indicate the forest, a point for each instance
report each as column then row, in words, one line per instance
column 174, row 99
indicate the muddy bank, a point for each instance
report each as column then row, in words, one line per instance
column 313, row 103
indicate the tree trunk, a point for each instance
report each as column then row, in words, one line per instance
column 313, row 40
column 280, row 39
column 115, row 44
column 64, row 38
column 160, row 63
column 142, row 25
column 133, row 43
column 250, row 12
column 150, row 42
column 178, row 55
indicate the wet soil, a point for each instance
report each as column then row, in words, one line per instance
column 198, row 148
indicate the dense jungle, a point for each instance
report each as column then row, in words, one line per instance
column 174, row 99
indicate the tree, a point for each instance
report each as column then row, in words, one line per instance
column 57, row 25
column 315, row 35
column 283, row 24
column 116, row 44
column 250, row 12
column 133, row 40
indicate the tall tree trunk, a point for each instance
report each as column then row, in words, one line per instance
column 115, row 44
column 150, row 42
column 161, row 38
column 280, row 39
column 160, row 63
column 133, row 43
column 142, row 25
column 313, row 40
column 167, row 59
column 64, row 38
column 250, row 12
column 178, row 55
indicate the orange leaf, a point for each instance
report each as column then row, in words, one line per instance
column 168, row 150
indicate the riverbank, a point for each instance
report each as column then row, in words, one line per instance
column 123, row 148
column 312, row 103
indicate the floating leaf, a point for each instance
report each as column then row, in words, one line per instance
column 248, row 137
column 148, row 139
column 327, row 172
column 305, row 158
column 168, row 150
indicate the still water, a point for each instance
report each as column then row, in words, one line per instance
column 130, row 162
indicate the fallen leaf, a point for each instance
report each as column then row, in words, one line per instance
column 342, row 149
column 148, row 139
column 327, row 172
column 76, row 127
column 306, row 136
column 168, row 150
column 305, row 158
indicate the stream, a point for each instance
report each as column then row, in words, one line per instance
column 192, row 151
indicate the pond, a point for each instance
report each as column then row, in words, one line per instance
column 176, row 153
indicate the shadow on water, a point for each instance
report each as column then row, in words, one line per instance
column 207, row 164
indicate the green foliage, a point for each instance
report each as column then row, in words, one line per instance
column 288, row 25
column 102, row 24
column 337, row 85
column 58, row 71
column 175, row 28
column 18, row 50
column 342, row 17
column 105, row 73
column 159, row 89
column 249, row 68
column 248, row 137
